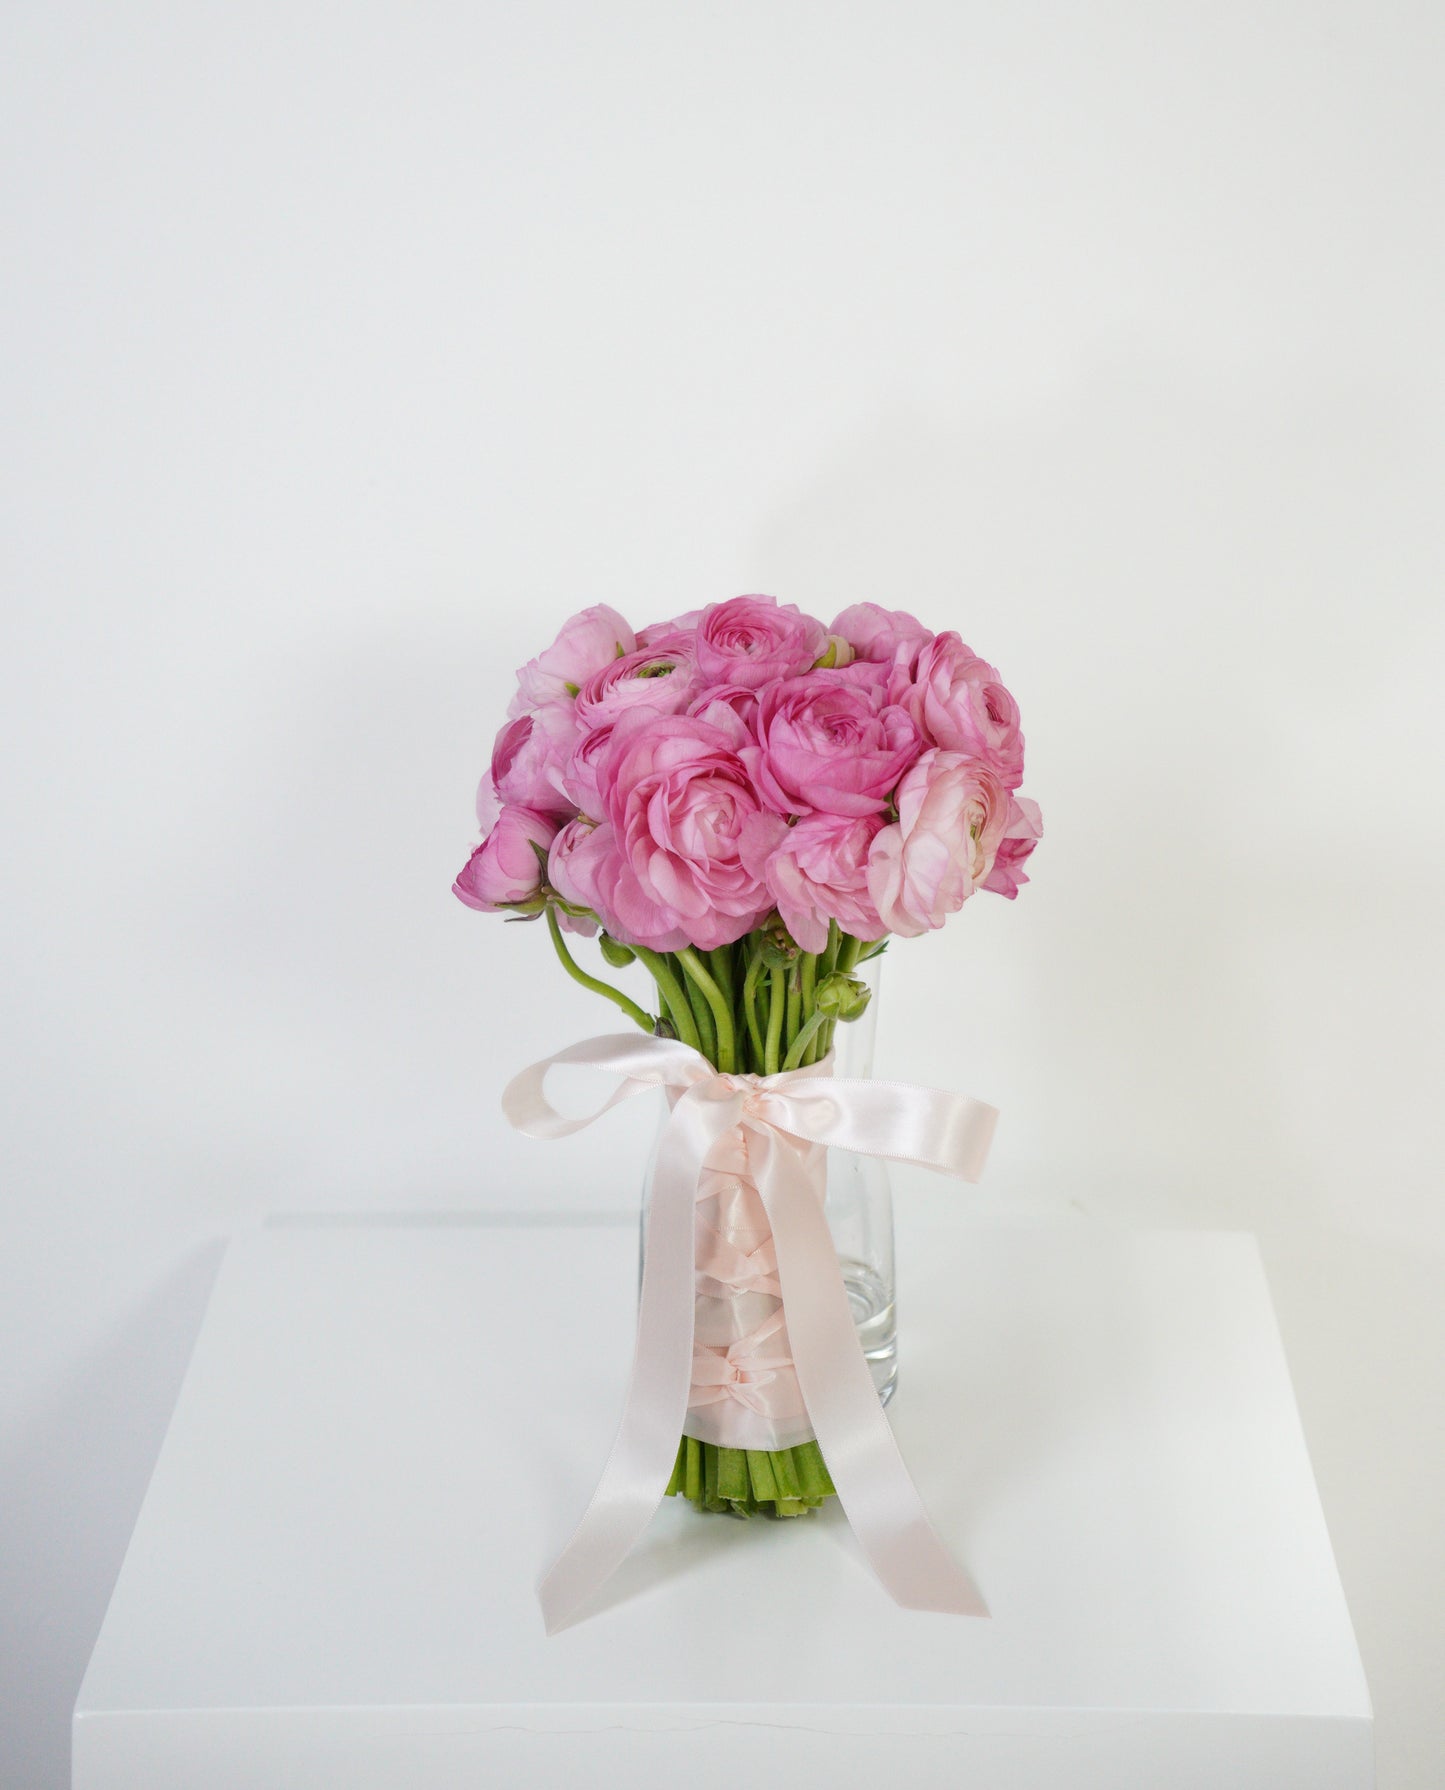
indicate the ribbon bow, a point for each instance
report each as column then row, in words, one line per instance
column 786, row 1118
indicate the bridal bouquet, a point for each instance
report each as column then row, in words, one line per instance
column 749, row 803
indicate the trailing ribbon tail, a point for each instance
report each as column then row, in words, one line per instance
column 786, row 1117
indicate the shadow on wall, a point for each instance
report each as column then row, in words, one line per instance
column 71, row 1489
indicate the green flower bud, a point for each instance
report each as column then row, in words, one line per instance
column 616, row 953
column 779, row 948
column 837, row 652
column 842, row 997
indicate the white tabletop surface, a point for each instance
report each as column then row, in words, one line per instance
column 388, row 1429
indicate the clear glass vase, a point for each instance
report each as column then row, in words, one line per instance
column 729, row 1459
column 860, row 1209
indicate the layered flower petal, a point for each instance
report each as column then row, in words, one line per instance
column 754, row 640
column 505, row 870
column 952, row 811
column 833, row 742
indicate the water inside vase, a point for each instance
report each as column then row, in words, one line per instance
column 875, row 1317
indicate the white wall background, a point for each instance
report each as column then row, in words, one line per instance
column 348, row 349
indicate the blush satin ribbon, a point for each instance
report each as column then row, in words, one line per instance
column 786, row 1119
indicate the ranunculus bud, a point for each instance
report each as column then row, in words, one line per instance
column 615, row 952
column 780, row 949
column 836, row 653
column 508, row 868
column 842, row 997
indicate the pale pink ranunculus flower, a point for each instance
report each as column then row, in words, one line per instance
column 587, row 642
column 668, row 634
column 1022, row 833
column 960, row 704
column 661, row 679
column 529, row 758
column 752, row 641
column 816, row 871
column 885, row 636
column 677, row 797
column 952, row 811
column 505, row 870
column 831, row 741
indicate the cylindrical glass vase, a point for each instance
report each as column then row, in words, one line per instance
column 860, row 1209
column 748, row 1444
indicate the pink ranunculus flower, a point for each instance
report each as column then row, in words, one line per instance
column 586, row 643
column 952, row 811
column 678, row 797
column 667, row 634
column 658, row 678
column 1024, row 830
column 817, row 871
column 505, row 870
column 726, row 705
column 752, row 641
column 530, row 757
column 885, row 636
column 579, row 774
column 959, row 704
column 831, row 741
column 587, row 869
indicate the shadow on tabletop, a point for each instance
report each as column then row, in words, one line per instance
column 71, row 1487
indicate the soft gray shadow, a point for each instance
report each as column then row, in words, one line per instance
column 71, row 1486
column 1360, row 1321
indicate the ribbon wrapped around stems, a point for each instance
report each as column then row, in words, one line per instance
column 786, row 1118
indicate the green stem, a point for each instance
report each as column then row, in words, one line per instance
column 702, row 1016
column 777, row 1000
column 750, row 990
column 848, row 955
column 615, row 995
column 810, row 982
column 674, row 995
column 798, row 1052
column 726, row 1057
column 720, row 962
column 830, row 950
column 795, row 1003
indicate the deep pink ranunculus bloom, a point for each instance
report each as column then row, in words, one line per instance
column 754, row 640
column 586, row 642
column 952, row 811
column 816, row 871
column 831, row 741
column 677, row 798
column 1024, row 830
column 505, row 869
column 960, row 704
column 662, row 679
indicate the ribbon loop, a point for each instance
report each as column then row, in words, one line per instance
column 786, row 1117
